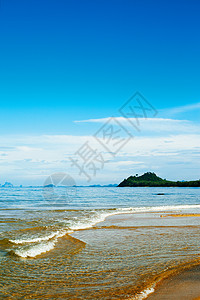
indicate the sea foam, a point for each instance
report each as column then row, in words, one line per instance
column 34, row 246
column 36, row 240
column 144, row 294
column 35, row 250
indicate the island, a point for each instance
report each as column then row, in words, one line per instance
column 7, row 185
column 49, row 185
column 152, row 180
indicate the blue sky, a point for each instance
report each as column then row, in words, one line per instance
column 67, row 61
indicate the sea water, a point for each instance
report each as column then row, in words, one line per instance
column 93, row 243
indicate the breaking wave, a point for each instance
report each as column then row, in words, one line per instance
column 35, row 245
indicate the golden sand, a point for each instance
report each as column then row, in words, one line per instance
column 182, row 286
column 180, row 215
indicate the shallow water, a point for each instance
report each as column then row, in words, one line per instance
column 93, row 243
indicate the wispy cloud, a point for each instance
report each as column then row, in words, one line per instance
column 189, row 112
column 154, row 124
column 183, row 109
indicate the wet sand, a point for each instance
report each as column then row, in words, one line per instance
column 182, row 286
column 180, row 215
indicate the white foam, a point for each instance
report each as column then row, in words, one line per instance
column 144, row 294
column 47, row 243
column 157, row 208
column 36, row 240
column 101, row 216
column 44, row 244
column 35, row 250
column 89, row 222
column 96, row 218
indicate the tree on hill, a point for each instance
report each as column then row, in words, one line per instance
column 151, row 179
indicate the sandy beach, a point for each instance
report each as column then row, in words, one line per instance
column 182, row 286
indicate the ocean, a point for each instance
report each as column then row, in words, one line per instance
column 94, row 242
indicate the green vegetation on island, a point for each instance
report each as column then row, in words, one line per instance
column 151, row 179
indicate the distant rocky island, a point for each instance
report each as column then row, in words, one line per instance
column 7, row 185
column 151, row 179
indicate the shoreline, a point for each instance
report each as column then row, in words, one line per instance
column 182, row 284
column 153, row 285
column 163, row 286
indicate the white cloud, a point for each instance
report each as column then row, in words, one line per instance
column 182, row 109
column 155, row 125
column 34, row 157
